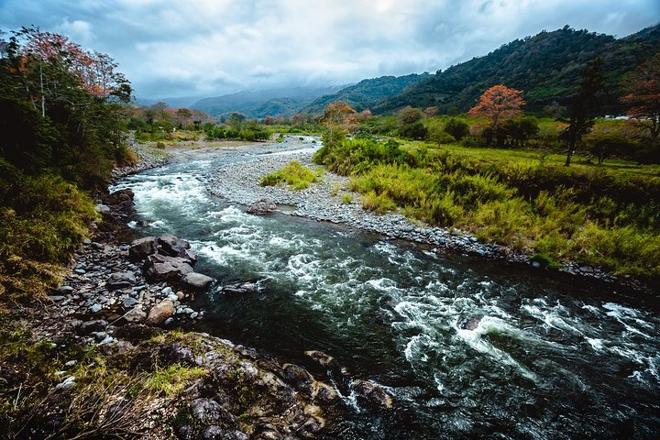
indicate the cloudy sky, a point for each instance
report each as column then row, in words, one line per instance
column 211, row 47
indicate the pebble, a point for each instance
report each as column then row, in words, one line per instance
column 95, row 308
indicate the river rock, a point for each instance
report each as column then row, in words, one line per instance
column 196, row 280
column 298, row 377
column 160, row 267
column 160, row 312
column 119, row 197
column 142, row 248
column 372, row 394
column 261, row 207
column 173, row 246
column 322, row 359
column 89, row 327
column 120, row 280
column 206, row 411
column 103, row 209
column 240, row 288
column 136, row 314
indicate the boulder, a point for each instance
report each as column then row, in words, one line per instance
column 121, row 196
column 372, row 394
column 160, row 267
column 103, row 209
column 261, row 207
column 120, row 280
column 172, row 245
column 196, row 280
column 160, row 312
column 322, row 359
column 298, row 377
column 142, row 248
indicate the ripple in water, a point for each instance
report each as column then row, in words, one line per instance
column 469, row 349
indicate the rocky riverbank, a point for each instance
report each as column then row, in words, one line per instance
column 105, row 355
column 331, row 200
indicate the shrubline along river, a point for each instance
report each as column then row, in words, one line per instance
column 468, row 348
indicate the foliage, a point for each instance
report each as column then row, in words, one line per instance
column 583, row 107
column 293, row 174
column 366, row 93
column 642, row 88
column 557, row 213
column 456, row 128
column 547, row 66
column 497, row 103
column 410, row 123
column 63, row 132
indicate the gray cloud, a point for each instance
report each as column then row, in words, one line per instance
column 208, row 47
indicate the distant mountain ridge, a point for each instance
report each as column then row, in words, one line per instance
column 262, row 103
column 367, row 93
column 547, row 67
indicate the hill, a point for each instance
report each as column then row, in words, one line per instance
column 547, row 67
column 262, row 103
column 367, row 93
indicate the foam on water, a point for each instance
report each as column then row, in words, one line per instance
column 479, row 346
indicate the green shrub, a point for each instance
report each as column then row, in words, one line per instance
column 457, row 128
column 379, row 203
column 293, row 174
column 556, row 213
column 346, row 199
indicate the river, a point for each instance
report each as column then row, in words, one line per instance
column 469, row 348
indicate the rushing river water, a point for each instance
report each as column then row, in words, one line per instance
column 468, row 348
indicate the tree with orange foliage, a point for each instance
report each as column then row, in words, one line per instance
column 339, row 118
column 499, row 102
column 642, row 88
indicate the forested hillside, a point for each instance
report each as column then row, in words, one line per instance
column 262, row 103
column 367, row 93
column 547, row 67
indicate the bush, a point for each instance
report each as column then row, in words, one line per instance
column 457, row 128
column 553, row 212
column 440, row 136
column 293, row 174
column 379, row 203
column 346, row 199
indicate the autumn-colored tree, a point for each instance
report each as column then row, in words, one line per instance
column 337, row 112
column 642, row 88
column 431, row 111
column 498, row 103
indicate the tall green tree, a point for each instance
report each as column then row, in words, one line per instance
column 583, row 108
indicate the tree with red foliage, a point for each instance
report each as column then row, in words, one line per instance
column 499, row 102
column 642, row 88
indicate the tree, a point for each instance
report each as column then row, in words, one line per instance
column 411, row 125
column 497, row 103
column 457, row 128
column 583, row 108
column 642, row 88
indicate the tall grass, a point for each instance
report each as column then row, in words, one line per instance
column 589, row 215
column 293, row 174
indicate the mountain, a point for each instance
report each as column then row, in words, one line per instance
column 262, row 103
column 367, row 92
column 547, row 67
column 171, row 102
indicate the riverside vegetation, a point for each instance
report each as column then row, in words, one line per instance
column 66, row 115
column 83, row 360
